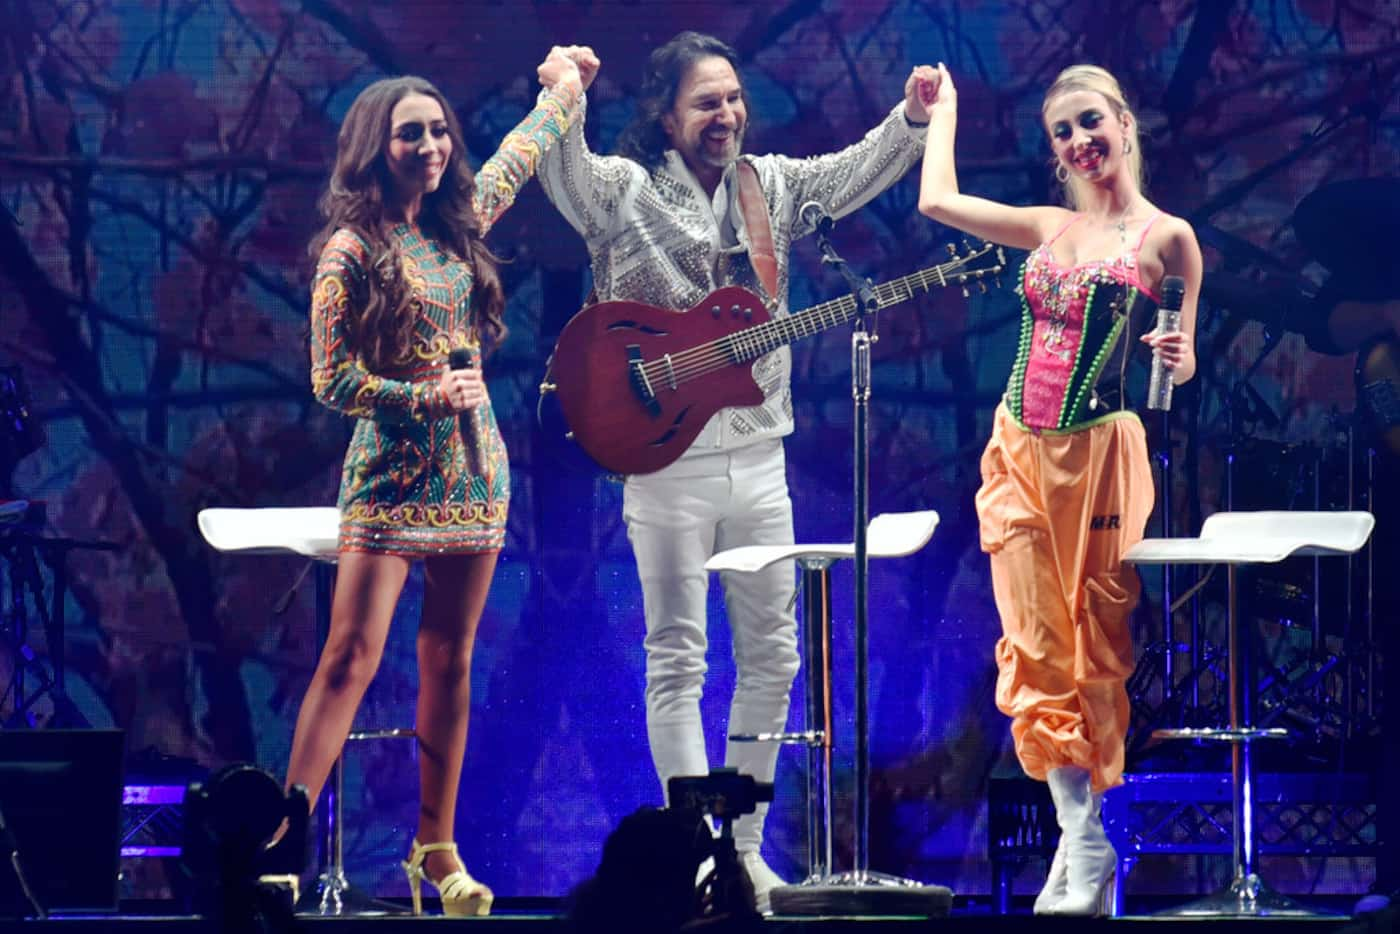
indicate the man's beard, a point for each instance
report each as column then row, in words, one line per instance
column 728, row 157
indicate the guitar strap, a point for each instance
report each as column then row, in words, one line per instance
column 755, row 211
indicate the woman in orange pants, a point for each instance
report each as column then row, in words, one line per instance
column 1066, row 483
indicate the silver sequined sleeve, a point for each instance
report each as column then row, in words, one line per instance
column 585, row 187
column 845, row 180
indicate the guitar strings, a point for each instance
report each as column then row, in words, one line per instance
column 734, row 348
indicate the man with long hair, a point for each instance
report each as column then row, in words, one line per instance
column 678, row 212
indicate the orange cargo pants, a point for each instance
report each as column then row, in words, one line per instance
column 1056, row 512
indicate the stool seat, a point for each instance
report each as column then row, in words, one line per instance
column 310, row 531
column 1259, row 538
column 890, row 535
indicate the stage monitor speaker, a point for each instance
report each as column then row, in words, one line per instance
column 61, row 800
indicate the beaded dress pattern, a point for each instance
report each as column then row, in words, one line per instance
column 1072, row 322
column 418, row 479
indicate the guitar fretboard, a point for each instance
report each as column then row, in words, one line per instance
column 752, row 343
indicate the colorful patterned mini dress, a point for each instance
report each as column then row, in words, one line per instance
column 1079, row 328
column 418, row 479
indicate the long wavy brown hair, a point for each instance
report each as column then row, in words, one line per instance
column 381, row 327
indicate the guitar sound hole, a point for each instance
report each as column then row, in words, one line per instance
column 663, row 438
column 626, row 325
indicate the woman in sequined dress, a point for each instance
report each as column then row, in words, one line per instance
column 1066, row 482
column 403, row 279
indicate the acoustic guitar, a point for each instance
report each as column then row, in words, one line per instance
column 637, row 383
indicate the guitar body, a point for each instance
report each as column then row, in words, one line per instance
column 636, row 383
column 635, row 428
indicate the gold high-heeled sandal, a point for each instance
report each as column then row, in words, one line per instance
column 461, row 894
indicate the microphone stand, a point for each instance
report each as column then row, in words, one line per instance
column 860, row 890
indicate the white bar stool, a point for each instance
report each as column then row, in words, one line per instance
column 1233, row 539
column 311, row 532
column 891, row 535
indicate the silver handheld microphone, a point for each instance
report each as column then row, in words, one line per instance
column 1159, row 387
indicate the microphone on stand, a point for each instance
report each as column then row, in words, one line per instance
column 814, row 215
column 1159, row 387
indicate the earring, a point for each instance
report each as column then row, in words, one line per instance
column 1127, row 146
column 1062, row 173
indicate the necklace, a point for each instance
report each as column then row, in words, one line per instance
column 1121, row 225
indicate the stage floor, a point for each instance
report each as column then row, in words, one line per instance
column 530, row 917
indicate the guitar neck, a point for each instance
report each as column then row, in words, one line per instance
column 752, row 343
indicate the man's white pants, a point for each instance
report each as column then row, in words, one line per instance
column 676, row 519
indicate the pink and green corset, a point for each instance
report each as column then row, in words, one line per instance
column 1071, row 363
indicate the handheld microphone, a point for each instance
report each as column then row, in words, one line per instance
column 815, row 216
column 1159, row 387
column 460, row 358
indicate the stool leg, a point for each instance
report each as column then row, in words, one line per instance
column 1241, row 799
column 1247, row 894
column 333, row 884
column 816, row 625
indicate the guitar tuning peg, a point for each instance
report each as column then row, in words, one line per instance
column 967, row 247
column 982, row 286
column 952, row 250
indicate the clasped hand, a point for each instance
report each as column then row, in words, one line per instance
column 933, row 89
column 565, row 61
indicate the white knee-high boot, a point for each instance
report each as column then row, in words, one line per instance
column 1089, row 858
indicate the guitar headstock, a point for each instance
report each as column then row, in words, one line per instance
column 974, row 264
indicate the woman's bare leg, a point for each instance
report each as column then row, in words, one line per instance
column 454, row 595
column 367, row 588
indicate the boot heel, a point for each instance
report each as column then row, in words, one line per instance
column 1109, row 897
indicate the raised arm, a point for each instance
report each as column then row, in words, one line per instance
column 505, row 173
column 844, row 181
column 583, row 186
column 939, row 197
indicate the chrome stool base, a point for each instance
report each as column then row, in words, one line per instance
column 1247, row 897
column 865, row 893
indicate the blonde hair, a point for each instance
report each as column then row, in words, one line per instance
column 1099, row 81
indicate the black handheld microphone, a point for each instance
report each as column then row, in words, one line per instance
column 815, row 216
column 1159, row 387
column 460, row 358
